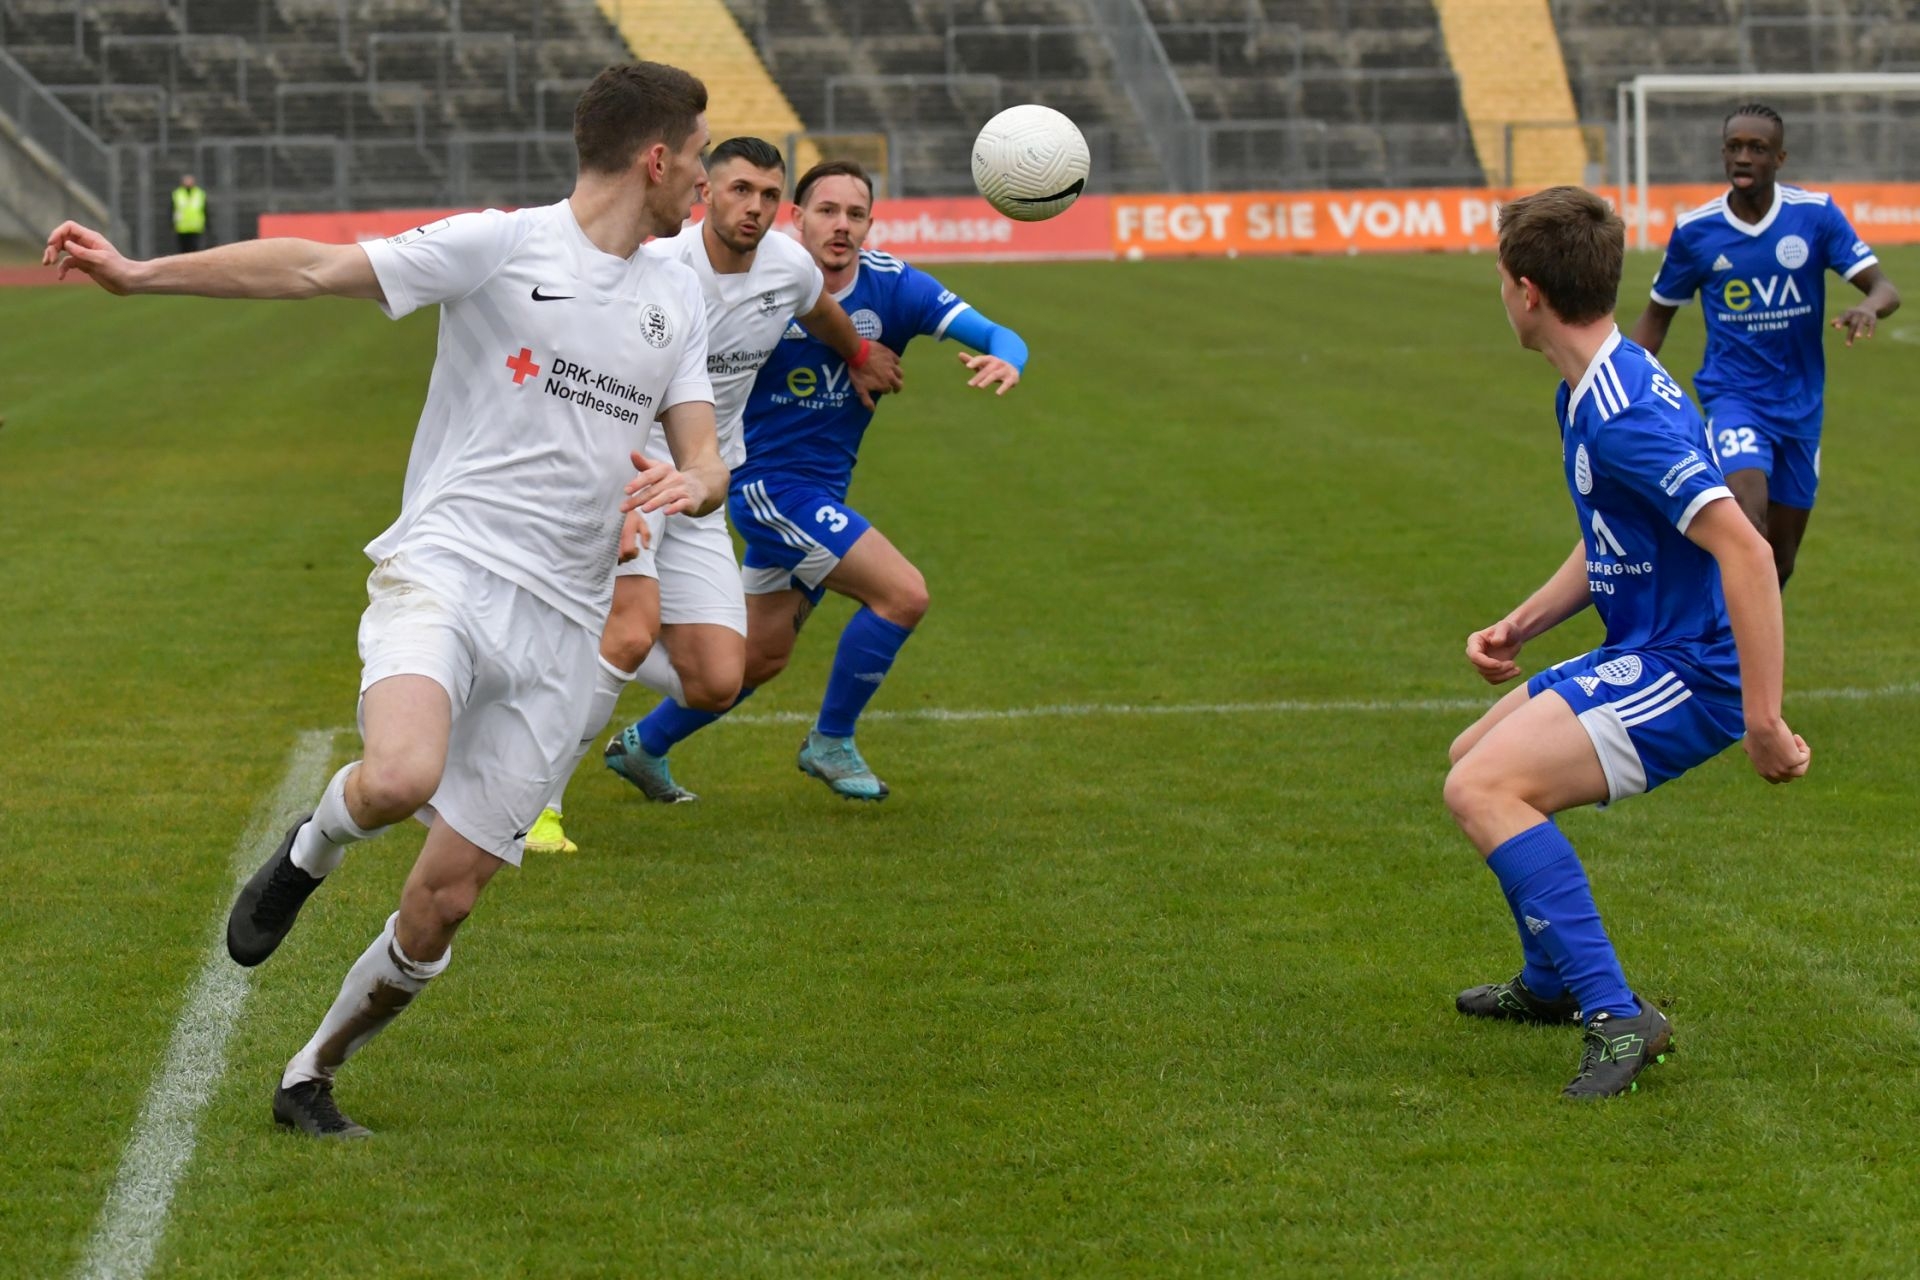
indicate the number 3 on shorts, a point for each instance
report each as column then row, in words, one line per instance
column 1735, row 441
column 836, row 519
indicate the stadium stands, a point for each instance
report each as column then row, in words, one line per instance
column 1834, row 137
column 1513, row 83
column 1295, row 93
column 318, row 104
column 295, row 104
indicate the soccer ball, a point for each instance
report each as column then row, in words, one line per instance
column 1030, row 162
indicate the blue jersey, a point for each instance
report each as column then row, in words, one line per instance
column 1640, row 468
column 803, row 418
column 1763, row 291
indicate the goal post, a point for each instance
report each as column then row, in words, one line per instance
column 1632, row 95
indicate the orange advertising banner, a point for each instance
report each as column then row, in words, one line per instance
column 963, row 229
column 1423, row 219
column 947, row 230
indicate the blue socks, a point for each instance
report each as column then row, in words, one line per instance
column 670, row 722
column 867, row 649
column 866, row 653
column 1565, row 945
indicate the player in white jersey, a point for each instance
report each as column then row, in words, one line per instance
column 560, row 343
column 684, row 588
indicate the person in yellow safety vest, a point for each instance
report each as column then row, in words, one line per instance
column 189, row 213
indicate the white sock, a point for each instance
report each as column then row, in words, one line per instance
column 609, row 683
column 657, row 673
column 382, row 982
column 319, row 845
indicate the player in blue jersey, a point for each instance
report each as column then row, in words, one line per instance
column 788, row 499
column 1693, row 652
column 1758, row 257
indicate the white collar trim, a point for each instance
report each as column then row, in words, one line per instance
column 1760, row 227
column 1593, row 371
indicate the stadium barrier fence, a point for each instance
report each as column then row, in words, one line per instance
column 1222, row 225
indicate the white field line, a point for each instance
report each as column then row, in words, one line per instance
column 134, row 1218
column 1280, row 706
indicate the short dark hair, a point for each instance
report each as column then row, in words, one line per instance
column 829, row 169
column 757, row 152
column 1570, row 244
column 630, row 107
column 1760, row 111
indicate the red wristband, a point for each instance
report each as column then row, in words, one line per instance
column 860, row 356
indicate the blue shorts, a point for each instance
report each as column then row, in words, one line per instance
column 1746, row 439
column 795, row 531
column 1648, row 726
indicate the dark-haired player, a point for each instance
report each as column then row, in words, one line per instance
column 561, row 342
column 1758, row 257
column 804, row 427
column 683, row 589
column 1693, row 653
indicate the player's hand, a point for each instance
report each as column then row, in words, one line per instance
column 73, row 247
column 988, row 370
column 635, row 536
column 1492, row 651
column 660, row 486
column 1778, row 753
column 1857, row 322
column 878, row 376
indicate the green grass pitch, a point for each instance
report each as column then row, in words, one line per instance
column 1154, row 995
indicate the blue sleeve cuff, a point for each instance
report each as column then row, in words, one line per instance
column 970, row 328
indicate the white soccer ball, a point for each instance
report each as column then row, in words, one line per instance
column 1030, row 162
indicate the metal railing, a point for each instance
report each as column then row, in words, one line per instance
column 47, row 122
column 413, row 95
column 93, row 94
column 1150, row 84
column 1244, row 155
column 446, row 45
column 981, row 87
column 242, row 51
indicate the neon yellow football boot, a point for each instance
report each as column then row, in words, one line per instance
column 547, row 836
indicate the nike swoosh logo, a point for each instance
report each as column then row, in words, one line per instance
column 550, row 297
column 1073, row 190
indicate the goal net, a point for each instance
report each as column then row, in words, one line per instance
column 1845, row 127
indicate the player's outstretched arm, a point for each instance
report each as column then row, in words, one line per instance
column 1003, row 353
column 1650, row 330
column 276, row 268
column 1492, row 650
column 1752, row 588
column 873, row 367
column 1882, row 300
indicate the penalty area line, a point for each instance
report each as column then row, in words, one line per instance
column 133, row 1220
column 1273, row 707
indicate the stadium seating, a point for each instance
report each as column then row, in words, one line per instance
column 743, row 98
column 296, row 104
column 1321, row 92
column 1835, row 136
column 1513, row 82
column 1295, row 93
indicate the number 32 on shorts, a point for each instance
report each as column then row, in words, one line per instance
column 836, row 519
column 1735, row 441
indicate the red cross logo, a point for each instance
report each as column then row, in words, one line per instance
column 523, row 366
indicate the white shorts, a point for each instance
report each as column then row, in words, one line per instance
column 692, row 558
column 519, row 672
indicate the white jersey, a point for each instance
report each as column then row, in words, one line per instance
column 747, row 312
column 554, row 360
